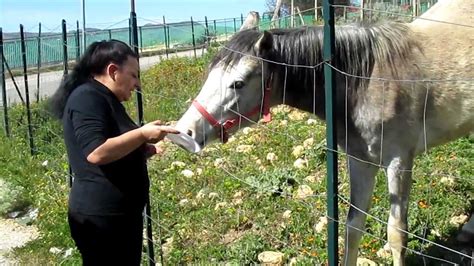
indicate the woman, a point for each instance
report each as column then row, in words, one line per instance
column 107, row 153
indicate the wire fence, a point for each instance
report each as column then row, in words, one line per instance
column 158, row 35
column 170, row 41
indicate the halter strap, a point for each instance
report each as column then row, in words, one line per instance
column 229, row 123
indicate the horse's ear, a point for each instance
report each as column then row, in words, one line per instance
column 265, row 43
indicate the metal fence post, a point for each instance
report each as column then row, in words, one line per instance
column 235, row 26
column 38, row 65
column 331, row 133
column 27, row 94
column 208, row 37
column 78, row 46
column 194, row 39
column 215, row 31
column 141, row 38
column 65, row 57
column 4, row 89
column 134, row 39
column 166, row 37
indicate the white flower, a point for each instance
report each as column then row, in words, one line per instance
column 459, row 220
column 177, row 164
column 68, row 252
column 272, row 157
column 297, row 115
column 45, row 163
column 303, row 192
column 323, row 221
column 308, row 143
column 238, row 194
column 237, row 201
column 199, row 171
column 311, row 121
column 213, row 195
column 258, row 162
column 297, row 151
column 220, row 205
column 201, row 194
column 287, row 214
column 219, row 162
column 247, row 130
column 187, row 173
column 310, row 179
column 385, row 252
column 340, row 241
column 244, row 148
column 300, row 163
column 231, row 139
column 271, row 258
column 293, row 262
column 281, row 109
column 55, row 250
column 183, row 202
column 435, row 232
column 448, row 181
column 283, row 123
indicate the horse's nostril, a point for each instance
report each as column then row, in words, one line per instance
column 190, row 133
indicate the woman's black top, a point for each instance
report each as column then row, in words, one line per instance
column 91, row 116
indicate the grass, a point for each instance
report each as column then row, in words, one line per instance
column 233, row 201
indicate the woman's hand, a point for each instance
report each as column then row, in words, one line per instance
column 156, row 131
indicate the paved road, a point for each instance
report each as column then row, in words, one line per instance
column 49, row 81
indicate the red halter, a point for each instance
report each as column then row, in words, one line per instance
column 229, row 123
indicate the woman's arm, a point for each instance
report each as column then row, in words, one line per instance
column 115, row 148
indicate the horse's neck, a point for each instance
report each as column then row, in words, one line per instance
column 300, row 92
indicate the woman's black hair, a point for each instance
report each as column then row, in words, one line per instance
column 93, row 62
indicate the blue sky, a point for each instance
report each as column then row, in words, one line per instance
column 105, row 13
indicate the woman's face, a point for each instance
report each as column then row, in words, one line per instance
column 126, row 79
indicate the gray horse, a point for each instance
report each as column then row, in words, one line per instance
column 401, row 89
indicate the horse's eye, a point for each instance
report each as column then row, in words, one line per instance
column 237, row 85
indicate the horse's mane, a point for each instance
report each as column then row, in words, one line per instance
column 358, row 47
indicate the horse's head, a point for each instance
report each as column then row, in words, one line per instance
column 236, row 90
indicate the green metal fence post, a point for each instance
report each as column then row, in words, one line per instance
column 331, row 133
column 215, row 31
column 134, row 39
column 78, row 46
column 65, row 57
column 166, row 37
column 208, row 37
column 141, row 38
column 38, row 65
column 27, row 93
column 4, row 89
column 194, row 39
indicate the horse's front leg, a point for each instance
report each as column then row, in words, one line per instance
column 399, row 185
column 362, row 181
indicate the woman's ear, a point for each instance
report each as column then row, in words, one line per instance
column 112, row 70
